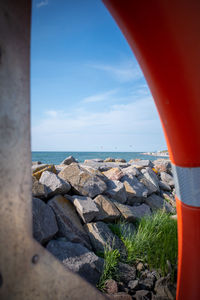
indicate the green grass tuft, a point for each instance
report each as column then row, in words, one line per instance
column 111, row 259
column 155, row 242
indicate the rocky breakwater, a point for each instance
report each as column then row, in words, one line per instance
column 74, row 203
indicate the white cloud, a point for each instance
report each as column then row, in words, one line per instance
column 42, row 3
column 123, row 72
column 99, row 97
column 51, row 113
column 135, row 123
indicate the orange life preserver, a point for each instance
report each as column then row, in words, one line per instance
column 165, row 38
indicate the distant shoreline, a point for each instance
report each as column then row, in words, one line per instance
column 159, row 153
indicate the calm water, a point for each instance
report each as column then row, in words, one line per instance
column 58, row 157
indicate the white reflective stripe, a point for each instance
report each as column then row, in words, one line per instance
column 187, row 184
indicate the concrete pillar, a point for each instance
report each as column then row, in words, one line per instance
column 27, row 270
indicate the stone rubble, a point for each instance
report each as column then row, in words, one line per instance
column 69, row 223
column 101, row 236
column 74, row 203
column 82, row 181
column 54, row 184
column 78, row 259
column 44, row 221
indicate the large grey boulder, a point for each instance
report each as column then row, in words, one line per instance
column 164, row 186
column 114, row 174
column 44, row 221
column 105, row 166
column 69, row 224
column 93, row 171
column 135, row 190
column 38, row 190
column 155, row 202
column 133, row 213
column 131, row 170
column 148, row 184
column 116, row 190
column 78, row 259
column 166, row 178
column 82, row 181
column 68, row 160
column 102, row 237
column 162, row 165
column 55, row 185
column 140, row 164
column 93, row 160
column 86, row 207
column 107, row 210
column 152, row 177
column 59, row 168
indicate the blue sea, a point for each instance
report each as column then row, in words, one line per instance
column 57, row 157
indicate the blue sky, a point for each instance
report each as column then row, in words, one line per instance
column 87, row 91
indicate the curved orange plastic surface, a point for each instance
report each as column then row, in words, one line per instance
column 165, row 37
column 188, row 283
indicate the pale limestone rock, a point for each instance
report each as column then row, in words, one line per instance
column 131, row 170
column 82, row 181
column 152, row 177
column 93, row 160
column 135, row 190
column 55, row 185
column 148, row 184
column 162, row 165
column 166, row 178
column 114, row 174
column 86, row 208
column 140, row 164
column 133, row 213
column 105, row 166
column 107, row 210
column 116, row 190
